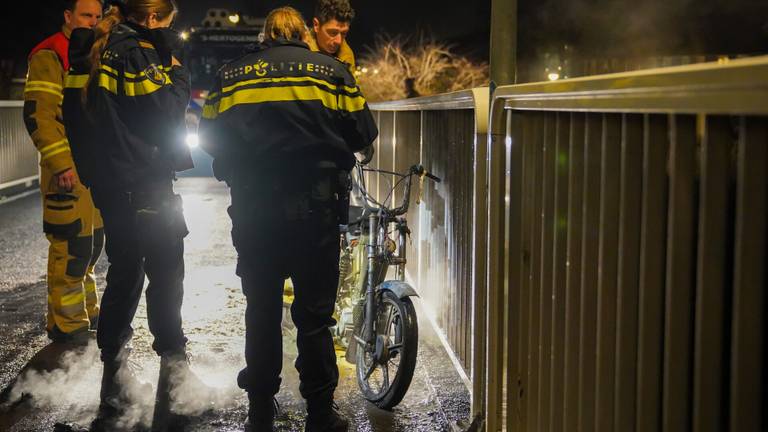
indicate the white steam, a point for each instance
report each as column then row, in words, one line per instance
column 74, row 384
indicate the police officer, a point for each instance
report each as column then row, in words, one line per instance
column 72, row 224
column 283, row 124
column 129, row 87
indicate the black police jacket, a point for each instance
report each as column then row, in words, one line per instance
column 283, row 107
column 129, row 133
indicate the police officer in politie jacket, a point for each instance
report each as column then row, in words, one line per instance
column 283, row 124
column 72, row 224
column 126, row 97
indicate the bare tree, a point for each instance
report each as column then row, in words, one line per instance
column 395, row 69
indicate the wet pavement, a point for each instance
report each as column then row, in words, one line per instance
column 46, row 384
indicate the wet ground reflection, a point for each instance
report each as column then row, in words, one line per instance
column 64, row 383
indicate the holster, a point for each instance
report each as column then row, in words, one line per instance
column 344, row 189
column 159, row 218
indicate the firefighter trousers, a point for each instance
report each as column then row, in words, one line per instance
column 74, row 229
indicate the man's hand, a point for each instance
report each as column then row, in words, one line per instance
column 167, row 43
column 366, row 154
column 66, row 180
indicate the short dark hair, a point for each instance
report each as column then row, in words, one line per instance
column 340, row 10
column 70, row 4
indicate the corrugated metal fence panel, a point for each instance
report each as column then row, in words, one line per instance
column 446, row 223
column 18, row 156
column 440, row 261
column 641, row 300
column 407, row 153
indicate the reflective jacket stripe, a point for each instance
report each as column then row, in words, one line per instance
column 51, row 85
column 53, row 149
column 284, row 94
column 30, row 89
column 347, row 89
column 76, row 81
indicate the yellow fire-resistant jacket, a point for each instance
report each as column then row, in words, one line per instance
column 345, row 54
column 43, row 95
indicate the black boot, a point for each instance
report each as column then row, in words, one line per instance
column 119, row 389
column 323, row 415
column 109, row 398
column 261, row 413
column 176, row 386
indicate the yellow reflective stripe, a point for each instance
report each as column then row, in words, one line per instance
column 132, row 88
column 287, row 94
column 109, row 69
column 53, row 85
column 54, row 146
column 32, row 89
column 54, row 153
column 210, row 111
column 285, row 79
column 73, row 299
column 351, row 103
column 76, row 81
column 143, row 73
column 141, row 88
column 108, row 83
column 144, row 87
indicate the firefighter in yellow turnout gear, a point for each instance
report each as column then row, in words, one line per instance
column 71, row 223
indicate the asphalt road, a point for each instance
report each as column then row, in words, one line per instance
column 44, row 384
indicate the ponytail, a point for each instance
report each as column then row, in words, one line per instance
column 120, row 11
column 102, row 31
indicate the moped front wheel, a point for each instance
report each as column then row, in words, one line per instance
column 385, row 367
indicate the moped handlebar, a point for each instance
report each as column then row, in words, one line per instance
column 415, row 170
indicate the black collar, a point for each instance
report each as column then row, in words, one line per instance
column 142, row 31
column 284, row 42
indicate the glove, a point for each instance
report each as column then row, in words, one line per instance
column 167, row 44
column 367, row 154
column 120, row 4
column 80, row 44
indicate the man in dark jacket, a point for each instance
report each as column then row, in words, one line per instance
column 283, row 124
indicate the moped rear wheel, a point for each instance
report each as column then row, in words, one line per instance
column 385, row 368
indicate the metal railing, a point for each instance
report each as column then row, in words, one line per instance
column 447, row 134
column 18, row 156
column 628, row 242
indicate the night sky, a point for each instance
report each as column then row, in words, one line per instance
column 594, row 27
column 445, row 19
column 467, row 22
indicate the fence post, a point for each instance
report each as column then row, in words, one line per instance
column 503, row 42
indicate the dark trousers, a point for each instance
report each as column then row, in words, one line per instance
column 145, row 235
column 292, row 233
